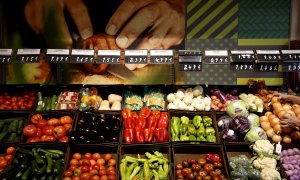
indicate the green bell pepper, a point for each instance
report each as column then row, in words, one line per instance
column 183, row 129
column 192, row 138
column 207, row 121
column 175, row 125
column 197, row 121
column 200, row 131
column 201, row 138
column 184, row 120
column 191, row 129
column 211, row 138
column 184, row 138
column 209, row 131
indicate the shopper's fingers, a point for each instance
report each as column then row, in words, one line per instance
column 284, row 126
column 123, row 13
column 34, row 15
column 79, row 13
column 137, row 25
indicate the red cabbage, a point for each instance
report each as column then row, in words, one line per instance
column 219, row 94
column 224, row 121
column 240, row 124
column 228, row 135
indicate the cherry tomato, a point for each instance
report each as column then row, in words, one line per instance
column 3, row 164
column 74, row 162
column 96, row 156
column 68, row 173
column 77, row 156
column 8, row 157
column 107, row 157
column 88, row 156
column 111, row 162
column 10, row 150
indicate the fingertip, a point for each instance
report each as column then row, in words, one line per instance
column 86, row 33
column 122, row 41
column 111, row 29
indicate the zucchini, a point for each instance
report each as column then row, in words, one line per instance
column 34, row 167
column 26, row 174
column 4, row 132
column 12, row 137
column 37, row 157
column 49, row 164
column 1, row 124
column 57, row 166
column 20, row 126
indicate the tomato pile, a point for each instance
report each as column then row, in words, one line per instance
column 91, row 167
column 6, row 158
column 203, row 168
column 23, row 101
column 51, row 130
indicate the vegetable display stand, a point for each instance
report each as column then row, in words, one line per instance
column 11, row 126
column 101, row 97
column 289, row 161
column 155, row 161
column 97, row 127
column 195, row 127
column 7, row 154
column 54, row 127
column 18, row 97
column 58, row 97
column 152, row 96
column 37, row 162
column 205, row 161
column 93, row 159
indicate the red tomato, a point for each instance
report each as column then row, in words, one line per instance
column 32, row 140
column 111, row 162
column 93, row 172
column 10, row 150
column 77, row 156
column 85, row 168
column 53, row 122
column 88, row 156
column 46, row 138
column 67, row 178
column 95, row 177
column 110, row 172
column 103, row 177
column 75, row 178
column 86, row 162
column 59, row 131
column 41, row 123
column 101, row 162
column 102, row 168
column 8, row 157
column 96, row 156
column 74, row 162
column 96, row 167
column 102, row 172
column 39, row 132
column 64, row 139
column 68, row 173
column 48, row 130
column 29, row 131
column 85, row 176
column 68, row 128
column 65, row 120
column 112, row 177
column 93, row 162
column 111, row 168
column 72, row 168
column 3, row 164
column 107, row 157
column 35, row 118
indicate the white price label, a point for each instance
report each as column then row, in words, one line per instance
column 58, row 52
column 28, row 51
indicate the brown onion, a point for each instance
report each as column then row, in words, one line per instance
column 276, row 138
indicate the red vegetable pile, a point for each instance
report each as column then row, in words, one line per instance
column 50, row 130
column 146, row 127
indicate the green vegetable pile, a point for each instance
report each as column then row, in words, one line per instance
column 36, row 164
column 154, row 166
column 197, row 129
column 46, row 103
column 11, row 129
column 241, row 168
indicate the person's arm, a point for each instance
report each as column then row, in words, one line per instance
column 291, row 98
column 290, row 120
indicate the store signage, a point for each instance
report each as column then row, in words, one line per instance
column 290, row 60
column 109, row 57
column 268, row 67
column 268, row 55
column 82, row 56
column 242, row 60
column 190, row 52
column 161, row 57
column 28, row 55
column 216, row 57
column 136, row 56
column 190, row 63
column 5, row 56
column 267, row 60
column 57, row 55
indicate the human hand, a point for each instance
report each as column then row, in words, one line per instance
column 290, row 120
column 166, row 17
column 37, row 12
column 282, row 96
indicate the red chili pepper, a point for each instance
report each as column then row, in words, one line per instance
column 126, row 113
column 163, row 121
column 213, row 158
column 161, row 135
column 135, row 116
column 148, row 134
column 145, row 112
column 128, row 136
column 129, row 123
column 151, row 122
column 140, row 122
column 139, row 136
column 156, row 113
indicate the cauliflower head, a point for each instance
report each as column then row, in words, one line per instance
column 264, row 162
column 270, row 174
column 263, row 147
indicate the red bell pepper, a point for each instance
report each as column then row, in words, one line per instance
column 126, row 113
column 129, row 123
column 139, row 136
column 148, row 134
column 151, row 122
column 163, row 121
column 155, row 113
column 140, row 122
column 135, row 116
column 161, row 135
column 213, row 158
column 145, row 112
column 128, row 136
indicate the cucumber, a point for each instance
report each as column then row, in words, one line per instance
column 48, row 105
column 53, row 102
